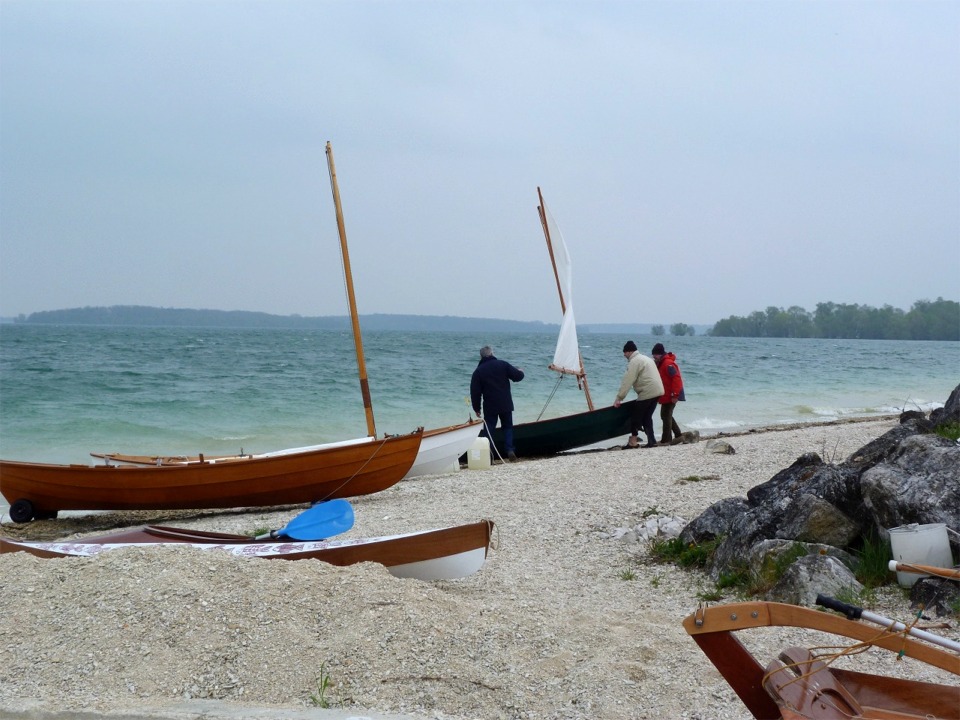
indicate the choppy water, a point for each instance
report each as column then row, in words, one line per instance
column 66, row 391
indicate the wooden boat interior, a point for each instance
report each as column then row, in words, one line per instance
column 798, row 685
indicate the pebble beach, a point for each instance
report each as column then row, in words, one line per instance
column 567, row 619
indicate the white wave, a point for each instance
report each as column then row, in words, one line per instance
column 711, row 424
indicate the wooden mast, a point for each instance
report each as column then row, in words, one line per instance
column 351, row 299
column 582, row 375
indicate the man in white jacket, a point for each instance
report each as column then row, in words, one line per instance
column 644, row 377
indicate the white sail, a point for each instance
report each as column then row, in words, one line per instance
column 566, row 358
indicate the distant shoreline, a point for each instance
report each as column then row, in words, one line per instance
column 143, row 316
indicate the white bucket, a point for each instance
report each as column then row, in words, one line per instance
column 478, row 456
column 921, row 544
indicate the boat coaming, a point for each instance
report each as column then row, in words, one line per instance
column 549, row 437
column 347, row 470
column 152, row 460
column 772, row 691
column 440, row 451
column 443, row 553
column 441, row 448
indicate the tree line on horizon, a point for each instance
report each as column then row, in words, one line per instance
column 926, row 320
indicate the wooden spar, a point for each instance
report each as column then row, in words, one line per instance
column 541, row 211
column 582, row 375
column 905, row 567
column 351, row 299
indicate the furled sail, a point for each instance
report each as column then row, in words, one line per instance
column 566, row 358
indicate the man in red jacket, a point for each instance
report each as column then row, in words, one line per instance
column 672, row 393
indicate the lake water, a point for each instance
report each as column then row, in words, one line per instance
column 67, row 390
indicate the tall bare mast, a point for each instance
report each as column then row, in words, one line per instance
column 581, row 375
column 351, row 299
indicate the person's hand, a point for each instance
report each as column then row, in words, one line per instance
column 616, row 403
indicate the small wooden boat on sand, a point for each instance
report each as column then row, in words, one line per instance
column 439, row 450
column 339, row 470
column 800, row 686
column 440, row 554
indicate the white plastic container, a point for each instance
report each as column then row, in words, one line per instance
column 922, row 544
column 478, row 456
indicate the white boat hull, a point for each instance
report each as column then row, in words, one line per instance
column 441, row 449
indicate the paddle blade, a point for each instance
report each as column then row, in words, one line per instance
column 323, row 520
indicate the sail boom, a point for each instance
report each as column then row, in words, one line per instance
column 566, row 371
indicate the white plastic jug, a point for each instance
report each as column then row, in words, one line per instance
column 478, row 456
column 921, row 544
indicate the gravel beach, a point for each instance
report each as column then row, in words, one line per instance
column 566, row 619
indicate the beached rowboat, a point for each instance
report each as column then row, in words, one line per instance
column 439, row 450
column 440, row 554
column 339, row 470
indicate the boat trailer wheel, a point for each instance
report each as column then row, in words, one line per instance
column 21, row 511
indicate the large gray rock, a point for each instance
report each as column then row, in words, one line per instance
column 935, row 596
column 764, row 557
column 920, row 485
column 811, row 575
column 714, row 522
column 950, row 412
column 814, row 520
column 885, row 446
column 908, row 475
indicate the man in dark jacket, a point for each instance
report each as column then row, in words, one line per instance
column 491, row 383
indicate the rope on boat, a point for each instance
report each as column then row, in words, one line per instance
column 554, row 392
column 490, row 439
column 380, row 445
column 844, row 651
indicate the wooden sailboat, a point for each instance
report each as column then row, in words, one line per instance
column 440, row 554
column 361, row 467
column 336, row 470
column 553, row 435
column 440, row 448
column 799, row 686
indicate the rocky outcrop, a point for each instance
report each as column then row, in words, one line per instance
column 908, row 475
column 950, row 412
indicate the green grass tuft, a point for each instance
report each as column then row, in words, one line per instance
column 872, row 568
column 683, row 554
column 950, row 430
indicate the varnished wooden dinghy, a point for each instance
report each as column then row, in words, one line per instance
column 339, row 470
column 440, row 554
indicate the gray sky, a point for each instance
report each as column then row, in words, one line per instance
column 703, row 159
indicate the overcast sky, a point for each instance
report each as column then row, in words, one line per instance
column 703, row 159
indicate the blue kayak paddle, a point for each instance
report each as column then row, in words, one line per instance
column 321, row 521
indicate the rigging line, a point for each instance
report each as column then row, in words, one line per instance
column 845, row 651
column 554, row 392
column 380, row 444
column 490, row 439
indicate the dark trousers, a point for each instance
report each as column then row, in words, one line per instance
column 642, row 418
column 670, row 427
column 505, row 418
